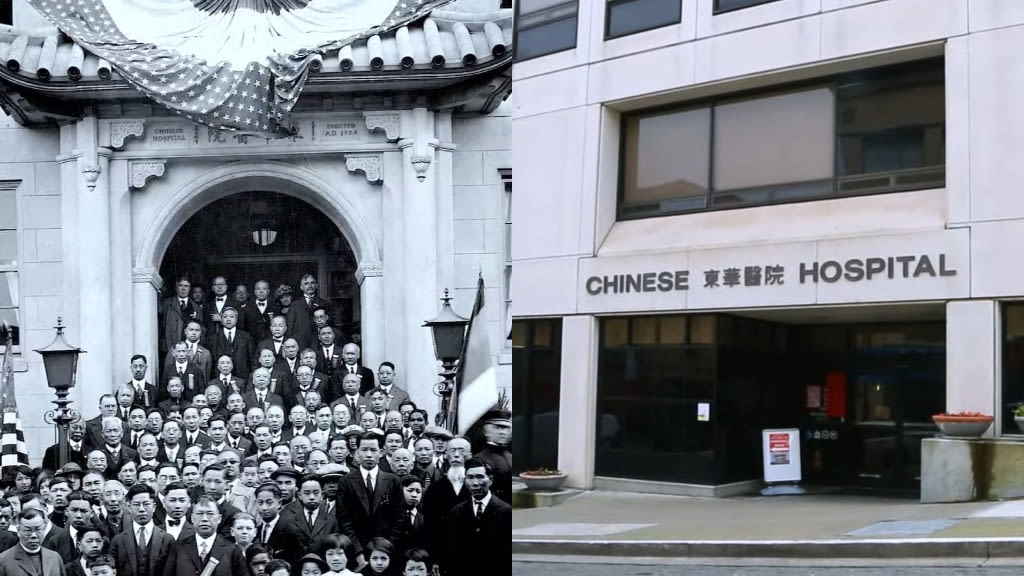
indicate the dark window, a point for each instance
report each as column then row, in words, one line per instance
column 654, row 371
column 10, row 303
column 6, row 12
column 1013, row 366
column 730, row 5
column 544, row 27
column 626, row 17
column 536, row 378
column 867, row 132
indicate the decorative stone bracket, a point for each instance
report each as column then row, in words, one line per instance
column 387, row 121
column 123, row 130
column 140, row 172
column 147, row 275
column 369, row 164
column 91, row 173
column 369, row 268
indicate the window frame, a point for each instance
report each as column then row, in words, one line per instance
column 14, row 187
column 608, row 20
column 506, row 277
column 833, row 82
column 715, row 10
column 517, row 29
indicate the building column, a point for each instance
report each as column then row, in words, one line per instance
column 420, row 278
column 146, row 284
column 577, row 427
column 370, row 276
column 85, row 183
column 972, row 350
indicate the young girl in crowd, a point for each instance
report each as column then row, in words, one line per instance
column 312, row 565
column 278, row 568
column 339, row 552
column 378, row 556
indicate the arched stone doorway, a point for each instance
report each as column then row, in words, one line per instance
column 353, row 243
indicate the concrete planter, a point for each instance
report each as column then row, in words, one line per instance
column 1020, row 422
column 547, row 483
column 962, row 427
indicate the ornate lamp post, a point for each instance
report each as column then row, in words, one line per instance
column 61, row 362
column 449, row 332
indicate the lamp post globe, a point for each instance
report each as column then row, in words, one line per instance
column 448, row 331
column 60, row 360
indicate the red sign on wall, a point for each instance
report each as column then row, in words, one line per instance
column 835, row 394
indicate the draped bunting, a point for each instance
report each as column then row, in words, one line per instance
column 230, row 64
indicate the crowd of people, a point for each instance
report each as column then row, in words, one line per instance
column 265, row 448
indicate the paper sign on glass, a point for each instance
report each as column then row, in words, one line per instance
column 703, row 412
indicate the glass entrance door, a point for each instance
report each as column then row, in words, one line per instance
column 896, row 389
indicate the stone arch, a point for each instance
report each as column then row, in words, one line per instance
column 280, row 177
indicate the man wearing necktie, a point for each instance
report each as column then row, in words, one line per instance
column 175, row 313
column 350, row 354
column 192, row 555
column 142, row 548
column 370, row 501
column 232, row 341
column 476, row 528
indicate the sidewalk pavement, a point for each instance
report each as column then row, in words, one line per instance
column 809, row 526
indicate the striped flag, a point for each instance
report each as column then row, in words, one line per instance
column 12, row 440
column 476, row 383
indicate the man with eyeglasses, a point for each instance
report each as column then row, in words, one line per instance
column 215, row 487
column 52, row 537
column 142, row 549
column 30, row 556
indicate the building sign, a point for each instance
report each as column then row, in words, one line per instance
column 829, row 271
column 781, row 455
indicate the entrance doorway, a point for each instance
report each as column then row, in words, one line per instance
column 262, row 235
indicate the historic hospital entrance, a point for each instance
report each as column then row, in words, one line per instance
column 861, row 384
column 259, row 235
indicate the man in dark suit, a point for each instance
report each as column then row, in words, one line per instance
column 240, row 302
column 386, row 381
column 116, row 452
column 350, row 396
column 92, row 544
column 192, row 435
column 313, row 522
column 370, row 501
column 302, row 309
column 277, row 528
column 259, row 313
column 215, row 305
column 327, row 352
column 190, row 556
column 444, row 494
column 350, row 354
column 31, row 557
column 260, row 395
column 280, row 377
column 193, row 378
column 175, row 313
column 322, row 318
column 225, row 378
column 144, row 392
column 276, row 338
column 76, row 447
column 215, row 487
column 233, row 342
column 94, row 427
column 172, row 449
column 198, row 354
column 176, row 503
column 477, row 528
column 304, row 383
column 142, row 549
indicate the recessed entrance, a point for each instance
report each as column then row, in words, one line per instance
column 684, row 398
column 262, row 235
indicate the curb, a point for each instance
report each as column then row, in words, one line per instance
column 817, row 549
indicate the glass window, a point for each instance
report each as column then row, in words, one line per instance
column 545, row 27
column 10, row 303
column 892, row 131
column 729, row 5
column 630, row 16
column 536, row 388
column 772, row 148
column 866, row 132
column 506, row 176
column 666, row 162
column 650, row 381
column 1013, row 366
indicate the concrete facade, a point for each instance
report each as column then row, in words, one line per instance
column 566, row 123
column 416, row 192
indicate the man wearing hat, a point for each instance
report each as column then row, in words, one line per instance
column 330, row 475
column 440, row 437
column 496, row 453
column 287, row 479
column 73, row 472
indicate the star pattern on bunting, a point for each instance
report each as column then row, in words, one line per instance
column 256, row 99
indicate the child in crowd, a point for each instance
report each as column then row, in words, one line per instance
column 417, row 563
column 378, row 557
column 339, row 552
